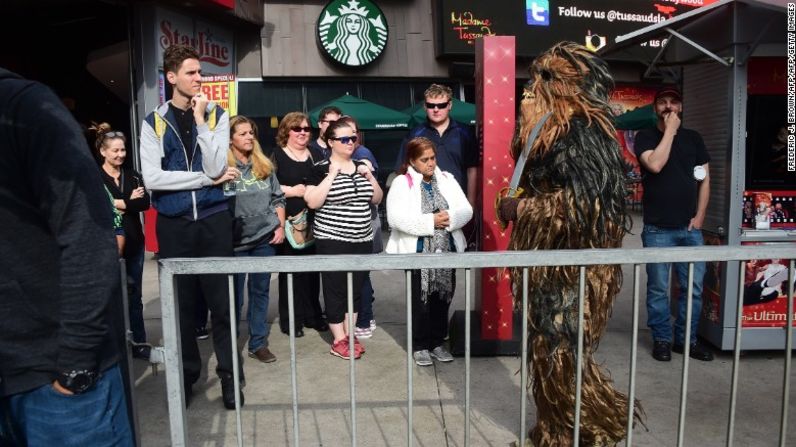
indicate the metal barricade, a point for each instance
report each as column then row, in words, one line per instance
column 467, row 261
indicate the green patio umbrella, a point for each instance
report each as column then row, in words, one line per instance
column 463, row 112
column 369, row 116
column 639, row 118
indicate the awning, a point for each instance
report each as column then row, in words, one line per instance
column 703, row 34
column 369, row 116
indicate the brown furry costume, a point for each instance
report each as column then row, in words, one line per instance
column 574, row 198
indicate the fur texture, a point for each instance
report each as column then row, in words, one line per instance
column 574, row 198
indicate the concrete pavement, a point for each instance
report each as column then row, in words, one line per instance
column 381, row 374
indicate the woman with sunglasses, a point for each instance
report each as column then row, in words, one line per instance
column 342, row 191
column 294, row 159
column 366, row 323
column 427, row 209
column 130, row 199
column 259, row 226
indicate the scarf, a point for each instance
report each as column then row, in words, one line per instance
column 435, row 280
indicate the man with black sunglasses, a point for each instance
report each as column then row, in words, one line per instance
column 456, row 149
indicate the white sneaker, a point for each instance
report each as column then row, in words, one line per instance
column 363, row 332
column 422, row 358
column 372, row 325
column 441, row 354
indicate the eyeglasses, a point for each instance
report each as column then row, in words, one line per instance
column 298, row 129
column 439, row 105
column 115, row 134
column 346, row 140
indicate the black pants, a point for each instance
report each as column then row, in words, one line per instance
column 335, row 284
column 211, row 236
column 429, row 319
column 306, row 293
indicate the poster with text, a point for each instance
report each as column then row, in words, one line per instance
column 765, row 302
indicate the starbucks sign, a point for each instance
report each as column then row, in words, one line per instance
column 352, row 32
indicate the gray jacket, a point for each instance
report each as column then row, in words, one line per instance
column 255, row 207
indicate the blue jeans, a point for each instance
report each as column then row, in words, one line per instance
column 45, row 417
column 658, row 313
column 135, row 271
column 365, row 304
column 259, row 285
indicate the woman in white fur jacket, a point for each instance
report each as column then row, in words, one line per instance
column 426, row 209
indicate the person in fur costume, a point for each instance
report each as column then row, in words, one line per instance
column 571, row 195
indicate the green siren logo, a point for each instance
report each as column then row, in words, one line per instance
column 352, row 32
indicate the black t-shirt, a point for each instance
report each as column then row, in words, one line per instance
column 185, row 121
column 290, row 172
column 670, row 196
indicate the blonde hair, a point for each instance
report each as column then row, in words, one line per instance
column 262, row 167
column 436, row 90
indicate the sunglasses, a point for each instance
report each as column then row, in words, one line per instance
column 298, row 129
column 440, row 105
column 115, row 134
column 346, row 140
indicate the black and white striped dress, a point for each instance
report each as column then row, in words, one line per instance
column 345, row 215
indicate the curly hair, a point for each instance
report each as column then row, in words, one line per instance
column 174, row 56
column 435, row 90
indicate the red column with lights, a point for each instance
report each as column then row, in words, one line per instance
column 495, row 89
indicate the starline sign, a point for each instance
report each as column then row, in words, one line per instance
column 210, row 50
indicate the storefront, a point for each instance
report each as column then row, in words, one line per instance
column 731, row 64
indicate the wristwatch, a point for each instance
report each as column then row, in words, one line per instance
column 78, row 381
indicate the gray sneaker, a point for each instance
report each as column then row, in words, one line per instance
column 422, row 358
column 441, row 354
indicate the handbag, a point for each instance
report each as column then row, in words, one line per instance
column 298, row 231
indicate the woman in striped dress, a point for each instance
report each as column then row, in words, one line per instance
column 341, row 191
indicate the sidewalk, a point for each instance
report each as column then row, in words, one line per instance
column 323, row 380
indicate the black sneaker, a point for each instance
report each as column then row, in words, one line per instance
column 201, row 333
column 228, row 391
column 662, row 351
column 697, row 351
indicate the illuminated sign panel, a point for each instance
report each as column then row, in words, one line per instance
column 538, row 24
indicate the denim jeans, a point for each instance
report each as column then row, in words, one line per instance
column 135, row 270
column 365, row 304
column 259, row 285
column 45, row 417
column 658, row 313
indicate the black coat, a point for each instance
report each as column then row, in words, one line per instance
column 60, row 295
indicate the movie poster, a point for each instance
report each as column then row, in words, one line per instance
column 766, row 210
column 765, row 302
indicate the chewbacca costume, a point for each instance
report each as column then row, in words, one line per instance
column 572, row 196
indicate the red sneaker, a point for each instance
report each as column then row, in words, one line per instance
column 341, row 349
column 359, row 348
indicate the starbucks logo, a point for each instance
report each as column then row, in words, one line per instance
column 352, row 32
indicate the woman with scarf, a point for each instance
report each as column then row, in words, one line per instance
column 426, row 209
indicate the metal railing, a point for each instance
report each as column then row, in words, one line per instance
column 467, row 261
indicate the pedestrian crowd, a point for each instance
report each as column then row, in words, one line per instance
column 218, row 193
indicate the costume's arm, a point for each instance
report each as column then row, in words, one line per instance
column 155, row 177
column 401, row 214
column 214, row 144
column 702, row 201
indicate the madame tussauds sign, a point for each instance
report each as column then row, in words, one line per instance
column 352, row 32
